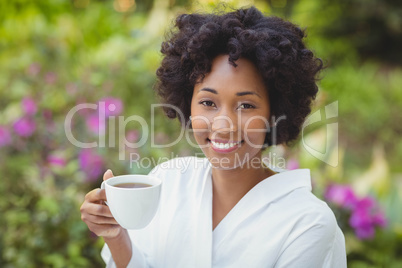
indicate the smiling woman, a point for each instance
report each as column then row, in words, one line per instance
column 234, row 75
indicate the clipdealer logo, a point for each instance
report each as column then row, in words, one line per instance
column 325, row 150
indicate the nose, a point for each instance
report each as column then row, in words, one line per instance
column 224, row 124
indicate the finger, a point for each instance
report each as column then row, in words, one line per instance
column 96, row 196
column 103, row 229
column 98, row 219
column 108, row 174
column 97, row 210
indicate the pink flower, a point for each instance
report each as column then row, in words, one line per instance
column 56, row 161
column 365, row 213
column 24, row 127
column 161, row 138
column 5, row 136
column 366, row 203
column 95, row 124
column 91, row 163
column 365, row 217
column 113, row 106
column 341, row 195
column 379, row 219
column 132, row 136
column 71, row 89
column 29, row 106
column 33, row 69
column 49, row 123
column 292, row 164
column 50, row 78
column 360, row 220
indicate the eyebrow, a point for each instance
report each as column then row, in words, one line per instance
column 242, row 93
column 209, row 90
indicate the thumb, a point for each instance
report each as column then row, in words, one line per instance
column 108, row 174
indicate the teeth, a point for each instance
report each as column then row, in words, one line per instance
column 224, row 145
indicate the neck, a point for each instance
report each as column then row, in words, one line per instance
column 230, row 185
column 234, row 183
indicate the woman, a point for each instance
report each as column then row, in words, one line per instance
column 244, row 82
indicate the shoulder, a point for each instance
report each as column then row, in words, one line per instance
column 299, row 201
column 311, row 236
column 312, row 214
column 297, row 207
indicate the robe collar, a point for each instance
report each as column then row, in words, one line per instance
column 261, row 195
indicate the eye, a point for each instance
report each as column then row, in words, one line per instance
column 246, row 106
column 208, row 103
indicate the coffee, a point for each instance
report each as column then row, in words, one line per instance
column 132, row 185
column 133, row 199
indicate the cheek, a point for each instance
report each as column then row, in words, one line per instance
column 201, row 126
column 255, row 129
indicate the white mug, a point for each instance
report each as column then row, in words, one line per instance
column 133, row 208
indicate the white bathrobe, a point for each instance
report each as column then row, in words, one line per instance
column 278, row 223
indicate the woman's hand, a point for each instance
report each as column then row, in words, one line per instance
column 96, row 214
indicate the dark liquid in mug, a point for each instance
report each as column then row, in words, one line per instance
column 132, row 185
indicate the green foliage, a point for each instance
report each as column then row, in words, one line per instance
column 60, row 56
column 371, row 98
column 373, row 27
column 366, row 88
column 40, row 223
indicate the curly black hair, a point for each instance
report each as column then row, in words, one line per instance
column 274, row 45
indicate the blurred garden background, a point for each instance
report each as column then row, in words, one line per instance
column 56, row 54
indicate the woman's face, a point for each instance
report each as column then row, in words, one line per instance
column 230, row 111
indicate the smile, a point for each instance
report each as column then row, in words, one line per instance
column 224, row 146
column 228, row 145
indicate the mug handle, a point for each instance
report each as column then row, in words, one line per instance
column 103, row 187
